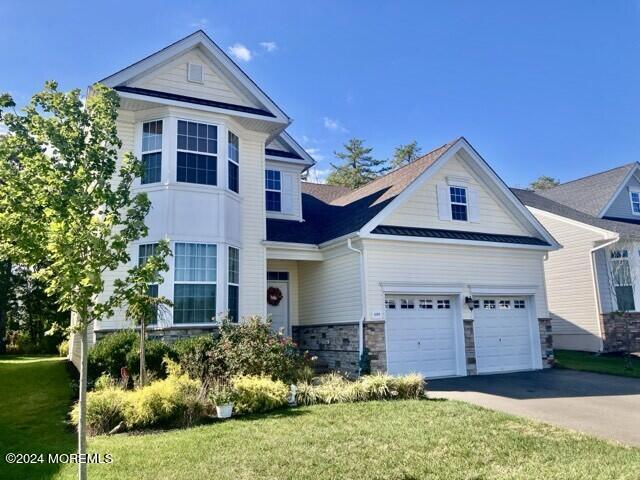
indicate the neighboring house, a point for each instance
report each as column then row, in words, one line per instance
column 595, row 274
column 435, row 268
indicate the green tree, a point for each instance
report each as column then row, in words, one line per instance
column 142, row 306
column 66, row 207
column 544, row 183
column 405, row 154
column 358, row 166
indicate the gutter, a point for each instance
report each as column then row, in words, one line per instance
column 595, row 284
column 362, row 299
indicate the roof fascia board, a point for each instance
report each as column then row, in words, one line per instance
column 618, row 190
column 209, row 46
column 453, row 241
column 295, row 146
column 605, row 233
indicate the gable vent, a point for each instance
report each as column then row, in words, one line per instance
column 195, row 73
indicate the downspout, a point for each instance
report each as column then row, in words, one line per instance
column 595, row 284
column 362, row 299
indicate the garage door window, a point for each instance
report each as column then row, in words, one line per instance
column 505, row 304
column 406, row 303
column 425, row 303
column 489, row 304
column 444, row 304
column 518, row 304
column 390, row 304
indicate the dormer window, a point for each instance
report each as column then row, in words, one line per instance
column 635, row 202
column 458, row 203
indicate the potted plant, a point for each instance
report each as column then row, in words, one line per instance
column 221, row 395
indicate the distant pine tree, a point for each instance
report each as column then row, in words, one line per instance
column 405, row 154
column 544, row 183
column 358, row 166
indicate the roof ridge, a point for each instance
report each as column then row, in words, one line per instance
column 592, row 175
column 448, row 145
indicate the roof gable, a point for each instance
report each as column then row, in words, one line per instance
column 230, row 85
column 591, row 194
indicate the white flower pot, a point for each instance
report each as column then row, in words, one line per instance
column 224, row 411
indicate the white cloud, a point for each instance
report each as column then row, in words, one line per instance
column 4, row 129
column 333, row 125
column 269, row 46
column 199, row 23
column 315, row 153
column 241, row 52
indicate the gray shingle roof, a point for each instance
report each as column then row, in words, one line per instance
column 589, row 194
column 536, row 200
column 324, row 192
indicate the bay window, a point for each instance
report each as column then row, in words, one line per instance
column 233, row 284
column 233, row 165
column 151, row 152
column 197, row 153
column 194, row 295
column 273, row 191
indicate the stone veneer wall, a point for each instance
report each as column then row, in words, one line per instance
column 335, row 345
column 620, row 330
column 169, row 334
column 374, row 340
column 546, row 342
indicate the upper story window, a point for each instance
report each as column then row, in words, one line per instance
column 635, row 203
column 459, row 205
column 273, row 191
column 197, row 153
column 151, row 151
column 233, row 153
column 194, row 295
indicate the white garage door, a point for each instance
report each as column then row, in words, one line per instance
column 421, row 335
column 502, row 334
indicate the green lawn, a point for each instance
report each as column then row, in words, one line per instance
column 590, row 362
column 397, row 440
column 35, row 397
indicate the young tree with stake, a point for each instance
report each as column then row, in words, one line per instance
column 66, row 205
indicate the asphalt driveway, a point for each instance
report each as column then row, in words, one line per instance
column 602, row 405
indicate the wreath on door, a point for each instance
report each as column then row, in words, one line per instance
column 274, row 296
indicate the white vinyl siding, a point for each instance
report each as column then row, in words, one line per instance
column 172, row 78
column 330, row 289
column 430, row 207
column 621, row 207
column 290, row 198
column 571, row 295
column 418, row 263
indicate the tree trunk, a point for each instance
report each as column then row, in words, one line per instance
column 82, row 417
column 5, row 282
column 143, row 369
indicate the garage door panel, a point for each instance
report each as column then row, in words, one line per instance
column 421, row 339
column 502, row 335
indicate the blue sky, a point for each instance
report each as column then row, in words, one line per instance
column 538, row 87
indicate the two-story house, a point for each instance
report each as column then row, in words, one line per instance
column 594, row 277
column 435, row 268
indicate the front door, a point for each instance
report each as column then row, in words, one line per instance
column 279, row 313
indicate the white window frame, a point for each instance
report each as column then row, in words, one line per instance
column 272, row 189
column 236, row 163
column 632, row 192
column 216, row 282
column 219, row 144
column 465, row 204
column 229, row 282
column 632, row 264
column 152, row 151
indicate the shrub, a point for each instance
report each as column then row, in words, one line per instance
column 122, row 349
column 255, row 394
column 63, row 348
column 104, row 382
column 411, row 386
column 334, row 388
column 200, row 358
column 173, row 401
column 105, row 409
column 252, row 348
column 221, row 393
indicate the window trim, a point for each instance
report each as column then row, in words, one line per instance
column 157, row 285
column 215, row 283
column 272, row 190
column 235, row 162
column 635, row 191
column 157, row 150
column 465, row 204
column 624, row 256
column 176, row 150
column 230, row 283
